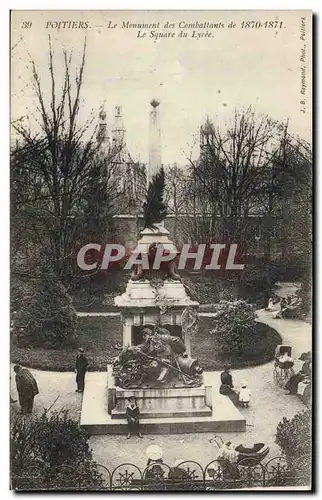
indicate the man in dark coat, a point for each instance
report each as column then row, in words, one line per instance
column 81, row 369
column 27, row 388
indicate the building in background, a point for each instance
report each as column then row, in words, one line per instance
column 130, row 173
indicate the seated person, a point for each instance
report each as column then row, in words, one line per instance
column 283, row 303
column 227, row 387
column 304, row 373
column 176, row 472
column 154, row 464
column 279, row 313
column 132, row 417
column 227, row 452
column 154, row 469
column 285, row 358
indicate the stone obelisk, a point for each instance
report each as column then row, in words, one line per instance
column 154, row 164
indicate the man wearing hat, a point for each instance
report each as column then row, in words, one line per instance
column 27, row 388
column 81, row 369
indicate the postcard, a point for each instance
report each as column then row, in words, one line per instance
column 161, row 250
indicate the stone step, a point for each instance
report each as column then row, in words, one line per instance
column 164, row 426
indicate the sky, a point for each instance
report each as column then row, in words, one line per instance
column 191, row 77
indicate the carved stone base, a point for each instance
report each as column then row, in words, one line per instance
column 162, row 403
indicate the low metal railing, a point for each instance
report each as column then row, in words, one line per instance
column 189, row 475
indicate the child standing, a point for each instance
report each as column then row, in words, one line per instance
column 244, row 394
column 132, row 417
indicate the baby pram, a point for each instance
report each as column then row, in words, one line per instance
column 246, row 455
column 283, row 370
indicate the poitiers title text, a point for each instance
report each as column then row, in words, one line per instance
column 165, row 30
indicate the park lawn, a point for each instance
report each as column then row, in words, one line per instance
column 101, row 338
column 98, row 335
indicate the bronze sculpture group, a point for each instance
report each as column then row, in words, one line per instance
column 160, row 360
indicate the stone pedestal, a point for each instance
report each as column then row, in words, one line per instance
column 139, row 308
column 159, row 402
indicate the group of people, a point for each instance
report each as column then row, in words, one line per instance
column 155, row 461
column 240, row 396
column 27, row 387
column 303, row 375
column 291, row 302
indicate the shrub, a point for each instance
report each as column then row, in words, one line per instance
column 233, row 322
column 56, row 450
column 49, row 319
column 294, row 436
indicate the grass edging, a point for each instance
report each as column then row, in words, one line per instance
column 101, row 337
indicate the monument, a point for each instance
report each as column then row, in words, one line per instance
column 156, row 365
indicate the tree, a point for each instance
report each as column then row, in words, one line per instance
column 100, row 199
column 230, row 172
column 50, row 318
column 199, row 217
column 136, row 175
column 286, row 195
column 252, row 178
column 154, row 210
column 52, row 168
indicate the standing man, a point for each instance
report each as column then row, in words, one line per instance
column 27, row 388
column 81, row 369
